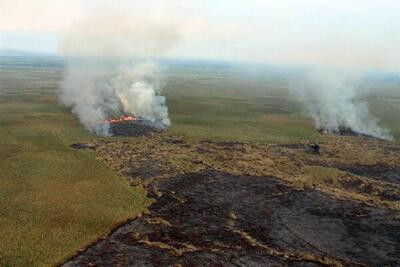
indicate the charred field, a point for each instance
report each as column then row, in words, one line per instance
column 248, row 204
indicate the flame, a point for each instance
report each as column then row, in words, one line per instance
column 121, row 119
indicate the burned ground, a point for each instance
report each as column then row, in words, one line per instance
column 242, row 204
column 133, row 128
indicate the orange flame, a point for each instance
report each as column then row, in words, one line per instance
column 121, row 119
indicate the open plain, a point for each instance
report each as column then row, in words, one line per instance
column 232, row 179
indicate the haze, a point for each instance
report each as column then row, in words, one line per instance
column 352, row 34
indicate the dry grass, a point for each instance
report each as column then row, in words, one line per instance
column 322, row 175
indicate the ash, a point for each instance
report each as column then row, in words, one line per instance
column 134, row 128
column 245, row 204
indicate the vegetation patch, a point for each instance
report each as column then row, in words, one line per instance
column 53, row 200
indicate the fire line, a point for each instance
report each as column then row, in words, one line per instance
column 121, row 119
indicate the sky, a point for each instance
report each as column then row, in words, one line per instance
column 353, row 34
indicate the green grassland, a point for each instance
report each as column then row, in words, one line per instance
column 55, row 200
column 385, row 105
column 231, row 104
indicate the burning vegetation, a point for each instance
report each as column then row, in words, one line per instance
column 345, row 131
column 333, row 100
column 129, row 125
column 126, row 118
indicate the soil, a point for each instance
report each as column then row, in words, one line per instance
column 241, row 204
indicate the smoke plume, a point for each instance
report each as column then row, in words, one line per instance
column 333, row 100
column 110, row 71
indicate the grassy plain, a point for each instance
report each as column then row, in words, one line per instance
column 55, row 200
column 226, row 102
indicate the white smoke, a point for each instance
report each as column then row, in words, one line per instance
column 109, row 68
column 142, row 96
column 333, row 100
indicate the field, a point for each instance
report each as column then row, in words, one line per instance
column 235, row 103
column 224, row 203
column 55, row 200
